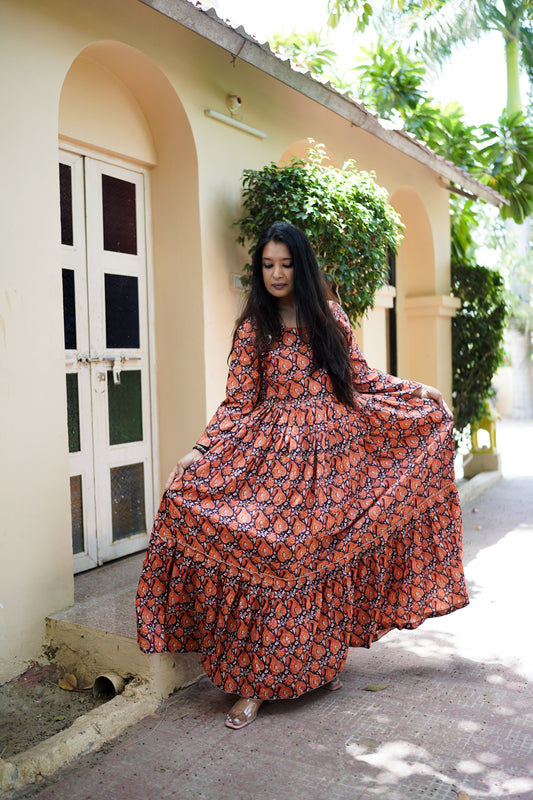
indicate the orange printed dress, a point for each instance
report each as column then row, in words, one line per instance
column 307, row 527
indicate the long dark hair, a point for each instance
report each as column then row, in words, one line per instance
column 313, row 314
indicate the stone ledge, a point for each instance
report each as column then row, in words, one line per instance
column 87, row 734
column 471, row 488
column 481, row 461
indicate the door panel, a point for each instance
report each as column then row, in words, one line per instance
column 106, row 340
column 76, row 334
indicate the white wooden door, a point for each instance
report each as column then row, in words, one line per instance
column 104, row 269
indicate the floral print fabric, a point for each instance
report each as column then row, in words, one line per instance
column 308, row 527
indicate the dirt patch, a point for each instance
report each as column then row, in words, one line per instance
column 33, row 708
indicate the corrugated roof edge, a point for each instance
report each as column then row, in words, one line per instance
column 204, row 21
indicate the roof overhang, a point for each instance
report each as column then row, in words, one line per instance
column 239, row 44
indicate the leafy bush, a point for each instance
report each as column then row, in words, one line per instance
column 477, row 339
column 345, row 214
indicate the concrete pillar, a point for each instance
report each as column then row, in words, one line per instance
column 372, row 330
column 428, row 322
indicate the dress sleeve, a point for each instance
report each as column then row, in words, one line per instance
column 366, row 379
column 242, row 387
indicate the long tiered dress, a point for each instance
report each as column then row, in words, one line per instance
column 307, row 527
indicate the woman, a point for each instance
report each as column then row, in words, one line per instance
column 317, row 511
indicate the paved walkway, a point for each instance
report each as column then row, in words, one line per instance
column 456, row 714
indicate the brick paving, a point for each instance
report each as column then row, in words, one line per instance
column 456, row 714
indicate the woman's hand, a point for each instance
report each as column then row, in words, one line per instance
column 181, row 466
column 430, row 393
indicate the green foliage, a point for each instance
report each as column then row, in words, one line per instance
column 477, row 339
column 499, row 155
column 310, row 51
column 444, row 130
column 389, row 80
column 361, row 11
column 344, row 213
column 507, row 157
column 390, row 83
column 515, row 263
column 463, row 222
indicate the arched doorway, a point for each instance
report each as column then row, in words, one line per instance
column 129, row 214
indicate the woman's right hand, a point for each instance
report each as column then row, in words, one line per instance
column 181, row 466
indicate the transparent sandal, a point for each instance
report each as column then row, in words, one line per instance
column 333, row 685
column 242, row 713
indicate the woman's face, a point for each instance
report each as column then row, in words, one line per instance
column 278, row 271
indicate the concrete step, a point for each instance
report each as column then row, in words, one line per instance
column 97, row 635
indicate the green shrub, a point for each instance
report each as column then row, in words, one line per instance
column 345, row 214
column 477, row 340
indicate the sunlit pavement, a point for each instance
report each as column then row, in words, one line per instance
column 456, row 715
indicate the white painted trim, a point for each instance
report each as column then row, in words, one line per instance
column 103, row 156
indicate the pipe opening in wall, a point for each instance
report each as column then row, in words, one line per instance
column 108, row 686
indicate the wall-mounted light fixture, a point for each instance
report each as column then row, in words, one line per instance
column 235, row 123
column 233, row 102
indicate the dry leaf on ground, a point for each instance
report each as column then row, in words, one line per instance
column 377, row 687
column 68, row 682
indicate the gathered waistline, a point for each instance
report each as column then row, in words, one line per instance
column 304, row 400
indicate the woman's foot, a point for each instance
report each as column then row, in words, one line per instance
column 333, row 685
column 242, row 713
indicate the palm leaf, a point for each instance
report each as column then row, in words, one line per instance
column 433, row 36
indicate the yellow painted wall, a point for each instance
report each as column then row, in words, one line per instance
column 96, row 107
column 117, row 78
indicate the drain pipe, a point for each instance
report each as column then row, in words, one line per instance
column 108, row 686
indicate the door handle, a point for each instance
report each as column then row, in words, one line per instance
column 117, row 369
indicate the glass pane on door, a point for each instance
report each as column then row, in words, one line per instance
column 119, row 215
column 121, row 311
column 69, row 309
column 65, row 198
column 124, row 401
column 127, row 501
column 73, row 413
column 76, row 506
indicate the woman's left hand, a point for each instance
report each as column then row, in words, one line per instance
column 430, row 393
